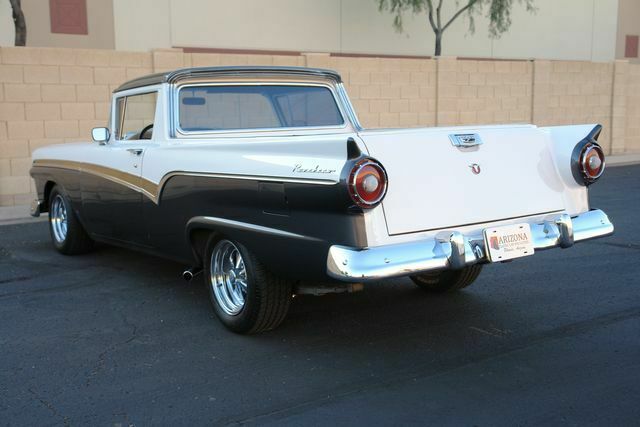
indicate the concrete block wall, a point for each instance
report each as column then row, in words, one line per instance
column 50, row 96
column 570, row 92
column 387, row 93
column 629, row 140
column 487, row 92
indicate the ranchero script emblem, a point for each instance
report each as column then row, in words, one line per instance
column 317, row 169
column 475, row 168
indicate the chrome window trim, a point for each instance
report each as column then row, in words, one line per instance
column 351, row 112
column 115, row 126
column 177, row 132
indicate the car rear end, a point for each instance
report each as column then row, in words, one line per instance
column 448, row 198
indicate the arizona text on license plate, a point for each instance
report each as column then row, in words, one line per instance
column 508, row 242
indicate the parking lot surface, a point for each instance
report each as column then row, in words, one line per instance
column 116, row 337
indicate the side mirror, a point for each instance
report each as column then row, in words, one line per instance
column 100, row 135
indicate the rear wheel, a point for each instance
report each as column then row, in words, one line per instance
column 448, row 280
column 67, row 234
column 244, row 295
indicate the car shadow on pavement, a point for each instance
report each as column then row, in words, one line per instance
column 388, row 309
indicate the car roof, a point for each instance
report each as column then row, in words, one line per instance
column 185, row 73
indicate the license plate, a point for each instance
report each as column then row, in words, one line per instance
column 508, row 242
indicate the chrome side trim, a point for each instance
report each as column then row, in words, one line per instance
column 216, row 221
column 358, row 265
column 170, row 175
column 154, row 191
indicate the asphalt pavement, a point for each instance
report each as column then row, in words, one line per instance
column 118, row 338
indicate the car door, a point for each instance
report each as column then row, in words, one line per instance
column 112, row 194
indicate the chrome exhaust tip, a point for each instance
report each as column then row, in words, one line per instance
column 190, row 273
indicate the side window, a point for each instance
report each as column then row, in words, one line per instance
column 135, row 115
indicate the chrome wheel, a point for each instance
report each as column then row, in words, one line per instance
column 58, row 219
column 228, row 277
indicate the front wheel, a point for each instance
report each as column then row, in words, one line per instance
column 67, row 234
column 448, row 280
column 244, row 295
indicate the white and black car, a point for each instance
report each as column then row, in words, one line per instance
column 263, row 177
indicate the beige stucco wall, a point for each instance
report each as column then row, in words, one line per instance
column 567, row 29
column 628, row 24
column 6, row 25
column 51, row 96
column 99, row 22
column 303, row 25
column 142, row 25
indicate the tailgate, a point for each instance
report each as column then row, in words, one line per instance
column 434, row 184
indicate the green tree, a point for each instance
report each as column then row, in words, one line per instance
column 499, row 14
column 19, row 23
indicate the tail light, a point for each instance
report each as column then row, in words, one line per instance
column 367, row 183
column 591, row 162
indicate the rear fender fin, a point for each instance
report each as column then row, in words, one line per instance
column 353, row 151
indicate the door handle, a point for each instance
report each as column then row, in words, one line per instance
column 136, row 151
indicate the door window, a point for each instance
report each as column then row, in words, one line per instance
column 135, row 116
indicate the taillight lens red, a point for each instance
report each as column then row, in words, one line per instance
column 367, row 183
column 592, row 162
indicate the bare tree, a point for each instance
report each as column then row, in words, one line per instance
column 499, row 14
column 19, row 22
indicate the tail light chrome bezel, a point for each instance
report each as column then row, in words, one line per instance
column 358, row 198
column 584, row 158
column 580, row 154
column 584, row 152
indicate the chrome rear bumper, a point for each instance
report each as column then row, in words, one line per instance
column 359, row 265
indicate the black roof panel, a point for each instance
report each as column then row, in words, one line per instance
column 185, row 73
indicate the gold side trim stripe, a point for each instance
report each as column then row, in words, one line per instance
column 129, row 180
column 149, row 188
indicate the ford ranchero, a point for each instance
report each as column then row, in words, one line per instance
column 263, row 178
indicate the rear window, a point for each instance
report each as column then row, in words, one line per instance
column 211, row 108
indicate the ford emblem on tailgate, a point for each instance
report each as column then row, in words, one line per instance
column 465, row 139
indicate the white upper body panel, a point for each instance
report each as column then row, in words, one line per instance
column 523, row 170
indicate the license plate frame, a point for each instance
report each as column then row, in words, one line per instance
column 507, row 242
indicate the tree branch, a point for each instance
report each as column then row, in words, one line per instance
column 458, row 13
column 438, row 14
column 431, row 21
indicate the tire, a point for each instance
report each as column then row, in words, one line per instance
column 448, row 280
column 67, row 234
column 245, row 296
